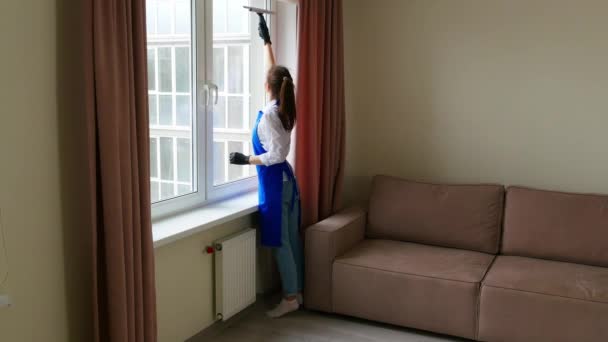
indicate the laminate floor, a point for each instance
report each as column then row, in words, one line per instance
column 252, row 325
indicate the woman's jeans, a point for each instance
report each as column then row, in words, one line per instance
column 290, row 258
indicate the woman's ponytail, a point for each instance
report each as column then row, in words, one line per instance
column 281, row 87
column 287, row 104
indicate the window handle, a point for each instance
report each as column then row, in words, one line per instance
column 204, row 93
column 210, row 89
column 213, row 87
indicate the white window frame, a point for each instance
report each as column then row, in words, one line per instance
column 203, row 96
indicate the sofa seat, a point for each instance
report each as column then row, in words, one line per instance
column 419, row 286
column 527, row 299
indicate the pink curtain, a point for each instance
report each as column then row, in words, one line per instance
column 118, row 152
column 320, row 138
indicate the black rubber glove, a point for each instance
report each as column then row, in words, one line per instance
column 263, row 30
column 237, row 158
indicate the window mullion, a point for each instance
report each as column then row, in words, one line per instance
column 205, row 51
column 173, row 87
column 246, row 86
column 175, row 177
column 225, row 116
column 157, row 85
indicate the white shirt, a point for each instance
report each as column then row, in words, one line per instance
column 274, row 137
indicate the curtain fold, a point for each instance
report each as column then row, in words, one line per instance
column 122, row 256
column 320, row 138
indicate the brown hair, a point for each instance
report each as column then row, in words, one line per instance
column 281, row 88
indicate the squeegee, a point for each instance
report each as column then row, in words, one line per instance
column 258, row 10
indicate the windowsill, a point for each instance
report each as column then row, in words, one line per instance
column 173, row 228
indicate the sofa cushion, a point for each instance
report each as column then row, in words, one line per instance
column 418, row 286
column 421, row 260
column 457, row 216
column 550, row 278
column 555, row 225
column 525, row 299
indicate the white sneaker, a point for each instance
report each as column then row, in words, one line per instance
column 300, row 299
column 284, row 307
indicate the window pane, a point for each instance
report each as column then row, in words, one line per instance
column 166, row 158
column 236, row 71
column 219, row 113
column 151, row 17
column 253, row 115
column 164, row 69
column 182, row 69
column 165, row 12
column 235, row 112
column 182, row 17
column 153, row 158
column 252, row 169
column 183, row 189
column 170, row 94
column 219, row 162
column 166, row 110
column 182, row 110
column 233, row 44
column 237, row 18
column 218, row 68
column 235, row 171
column 184, row 160
column 167, row 190
column 153, row 109
column 154, row 191
column 219, row 16
column 151, row 69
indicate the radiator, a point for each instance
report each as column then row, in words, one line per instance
column 235, row 283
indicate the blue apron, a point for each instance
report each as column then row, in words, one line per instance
column 270, row 193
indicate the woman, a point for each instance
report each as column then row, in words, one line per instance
column 278, row 190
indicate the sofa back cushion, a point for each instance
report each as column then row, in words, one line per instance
column 458, row 216
column 557, row 226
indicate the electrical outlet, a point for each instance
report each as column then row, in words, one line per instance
column 5, row 301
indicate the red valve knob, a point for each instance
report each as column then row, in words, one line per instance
column 209, row 250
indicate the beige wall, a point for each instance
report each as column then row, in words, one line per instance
column 41, row 178
column 503, row 91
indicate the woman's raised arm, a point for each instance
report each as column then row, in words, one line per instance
column 265, row 35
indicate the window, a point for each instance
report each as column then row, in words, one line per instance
column 205, row 86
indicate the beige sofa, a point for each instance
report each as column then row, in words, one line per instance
column 430, row 257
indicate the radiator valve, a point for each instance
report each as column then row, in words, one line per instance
column 212, row 249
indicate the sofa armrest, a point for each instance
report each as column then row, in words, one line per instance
column 325, row 241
